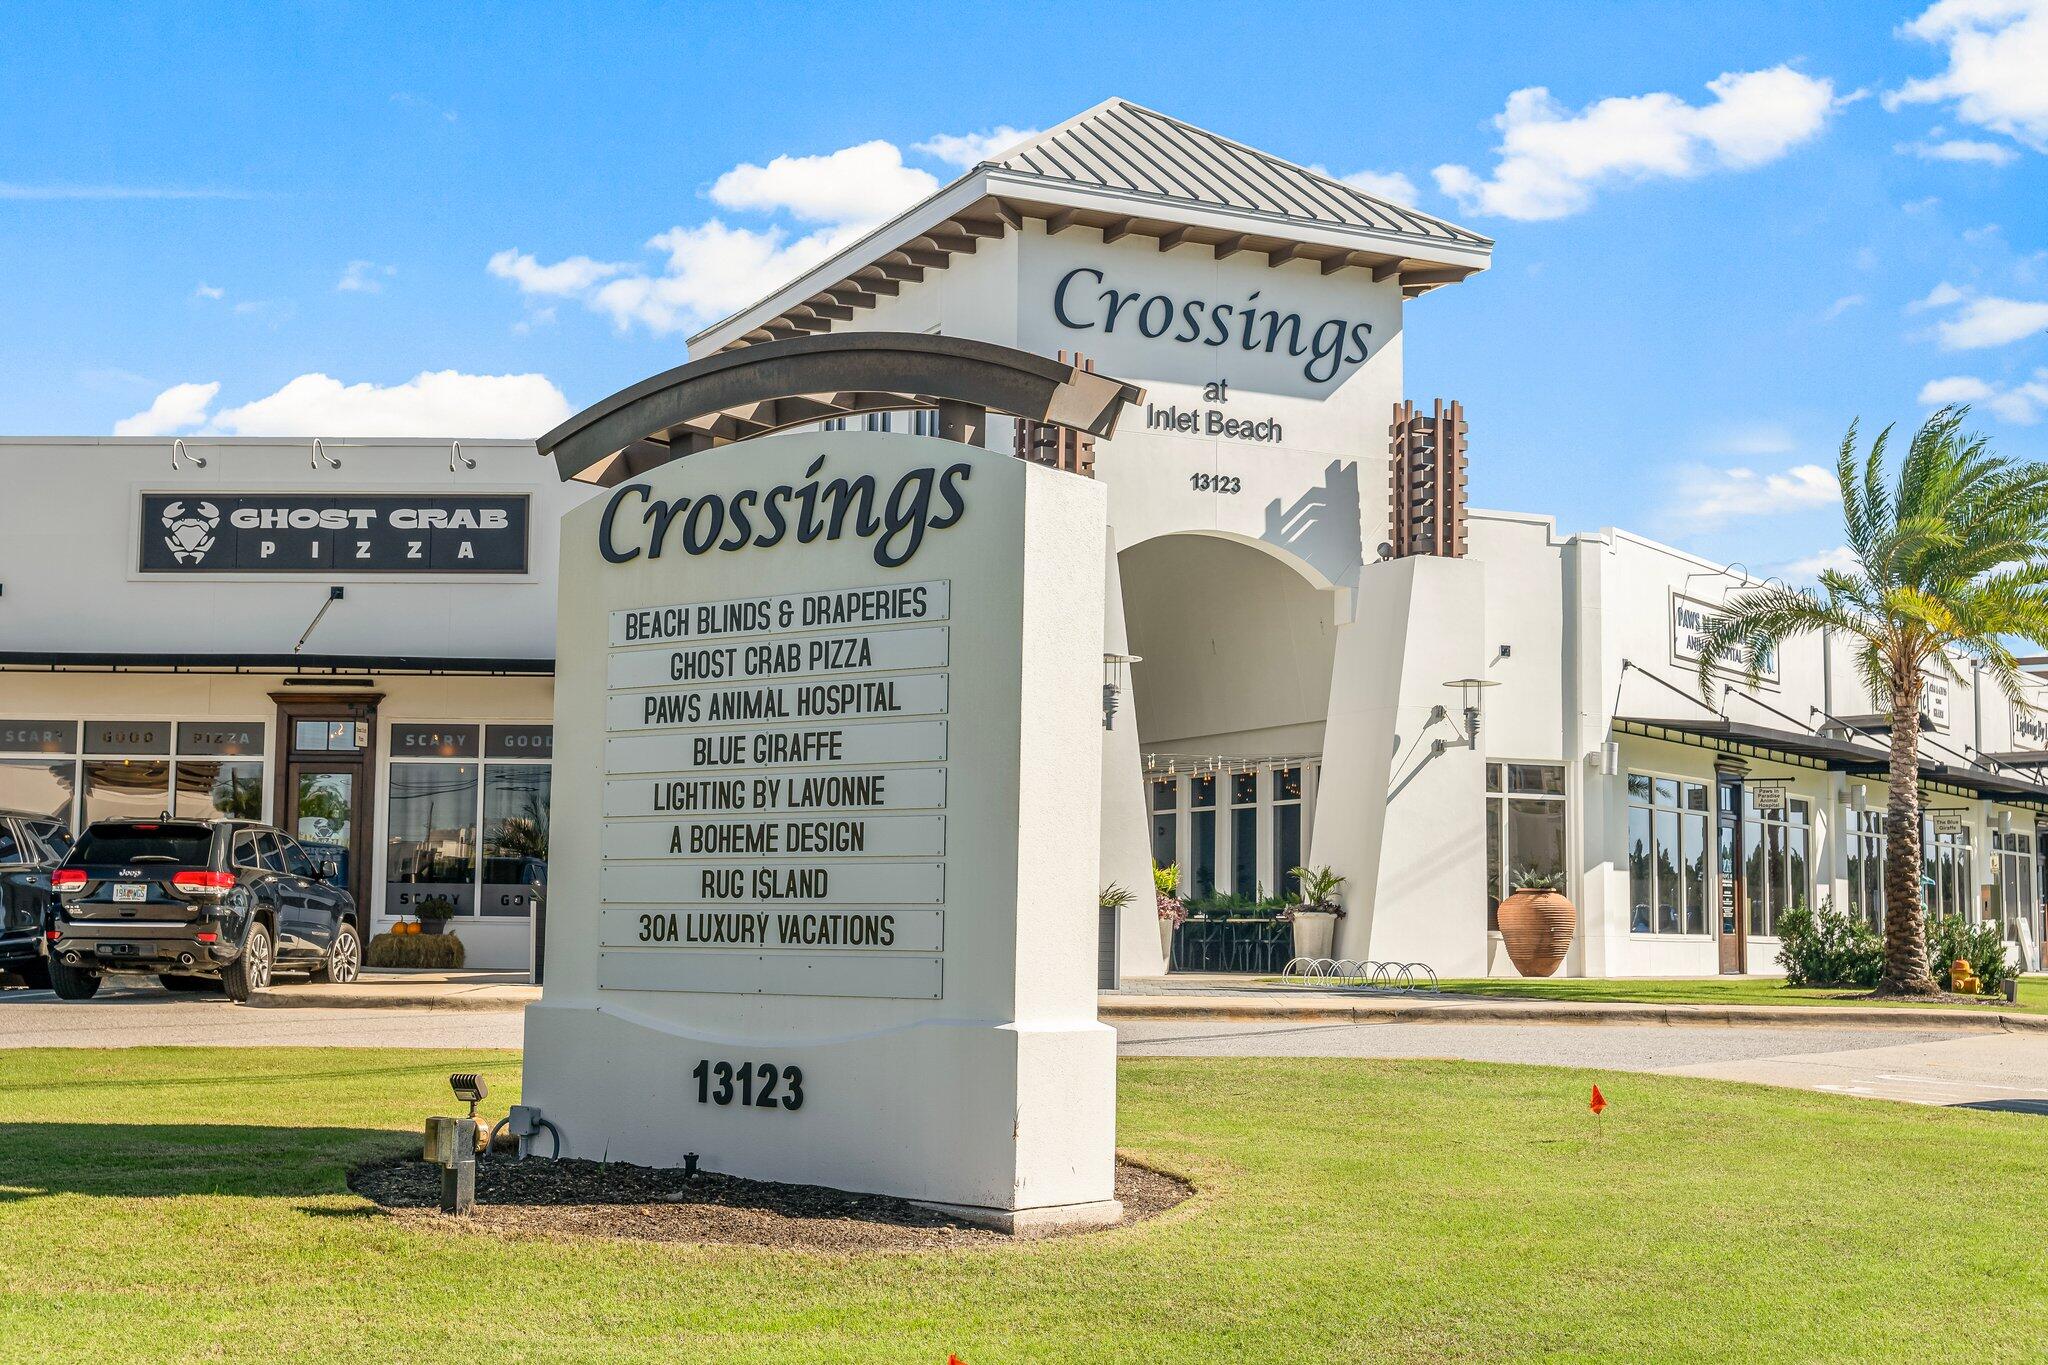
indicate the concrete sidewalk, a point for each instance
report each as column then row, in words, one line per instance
column 1230, row 1000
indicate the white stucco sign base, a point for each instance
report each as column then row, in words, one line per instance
column 827, row 794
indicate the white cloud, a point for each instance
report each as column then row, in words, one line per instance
column 175, row 409
column 1997, row 74
column 1959, row 149
column 203, row 290
column 2022, row 403
column 971, row 149
column 854, row 185
column 1991, row 321
column 1553, row 160
column 433, row 403
column 1957, row 388
column 565, row 277
column 1842, row 559
column 1383, row 185
column 1941, row 296
column 711, row 268
column 1714, row 494
column 1755, row 438
column 364, row 277
column 1843, row 305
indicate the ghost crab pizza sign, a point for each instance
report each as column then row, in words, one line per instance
column 329, row 533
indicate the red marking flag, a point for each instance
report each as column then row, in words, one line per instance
column 1598, row 1102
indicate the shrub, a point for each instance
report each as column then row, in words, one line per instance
column 1828, row 948
column 1983, row 947
column 443, row 951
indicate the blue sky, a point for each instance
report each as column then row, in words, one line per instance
column 1723, row 232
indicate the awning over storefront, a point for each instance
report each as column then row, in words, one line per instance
column 1743, row 740
column 311, row 665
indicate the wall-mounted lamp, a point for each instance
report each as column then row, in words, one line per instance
column 319, row 454
column 1859, row 797
column 1468, row 695
column 178, row 456
column 456, row 456
column 1114, row 672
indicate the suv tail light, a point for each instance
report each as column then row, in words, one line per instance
column 203, row 883
column 68, row 879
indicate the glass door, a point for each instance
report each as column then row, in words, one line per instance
column 323, row 816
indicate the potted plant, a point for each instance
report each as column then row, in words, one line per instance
column 1173, row 911
column 435, row 912
column 1316, row 911
column 1537, row 921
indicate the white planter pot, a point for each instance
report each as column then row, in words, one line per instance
column 1165, row 944
column 1314, row 933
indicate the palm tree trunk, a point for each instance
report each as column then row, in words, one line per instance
column 1905, row 935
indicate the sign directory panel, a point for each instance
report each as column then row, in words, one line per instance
column 182, row 534
column 811, row 694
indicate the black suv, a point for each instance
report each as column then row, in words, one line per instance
column 30, row 846
column 196, row 903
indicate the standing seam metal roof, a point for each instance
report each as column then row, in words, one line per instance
column 1122, row 146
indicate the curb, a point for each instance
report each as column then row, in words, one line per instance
column 342, row 999
column 1246, row 1009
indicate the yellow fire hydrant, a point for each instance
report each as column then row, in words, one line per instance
column 1962, row 980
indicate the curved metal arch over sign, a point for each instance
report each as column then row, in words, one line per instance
column 755, row 390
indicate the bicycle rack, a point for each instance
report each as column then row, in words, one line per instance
column 1360, row 974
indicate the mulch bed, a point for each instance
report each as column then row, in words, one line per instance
column 597, row 1199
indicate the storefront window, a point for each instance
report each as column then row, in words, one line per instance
column 431, row 837
column 515, row 838
column 1524, row 826
column 126, row 788
column 1947, row 871
column 1865, row 850
column 1244, row 834
column 1667, row 855
column 1202, row 835
column 1165, row 797
column 1775, row 842
column 2012, row 880
column 219, row 791
column 40, row 786
column 1286, row 829
column 330, row 736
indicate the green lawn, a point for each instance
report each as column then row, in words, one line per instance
column 179, row 1204
column 1732, row 990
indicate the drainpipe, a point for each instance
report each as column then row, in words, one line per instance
column 1827, row 670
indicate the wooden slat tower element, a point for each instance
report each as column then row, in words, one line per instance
column 1060, row 447
column 1427, row 470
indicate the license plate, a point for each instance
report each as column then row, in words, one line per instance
column 130, row 892
column 117, row 950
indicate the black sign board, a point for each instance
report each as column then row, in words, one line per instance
column 433, row 741
column 329, row 533
column 38, row 736
column 519, row 741
column 225, row 739
column 127, row 737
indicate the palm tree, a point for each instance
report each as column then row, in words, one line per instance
column 1952, row 558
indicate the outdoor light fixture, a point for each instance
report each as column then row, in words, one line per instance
column 470, row 1088
column 1113, row 668
column 319, row 454
column 455, row 454
column 1468, row 694
column 178, row 456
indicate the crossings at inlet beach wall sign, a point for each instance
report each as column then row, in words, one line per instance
column 827, row 757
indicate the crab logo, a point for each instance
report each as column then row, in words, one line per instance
column 188, row 536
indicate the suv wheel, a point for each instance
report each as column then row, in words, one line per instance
column 73, row 983
column 344, row 957
column 250, row 972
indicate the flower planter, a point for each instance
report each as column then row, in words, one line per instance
column 1315, row 932
column 1166, row 928
column 1537, row 927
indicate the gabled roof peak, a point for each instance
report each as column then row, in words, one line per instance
column 1123, row 146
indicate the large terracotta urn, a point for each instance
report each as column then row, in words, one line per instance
column 1538, row 927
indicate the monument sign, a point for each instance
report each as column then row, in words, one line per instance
column 824, row 847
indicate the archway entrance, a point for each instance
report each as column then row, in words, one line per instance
column 1232, row 690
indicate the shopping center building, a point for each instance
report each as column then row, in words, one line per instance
column 1317, row 654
